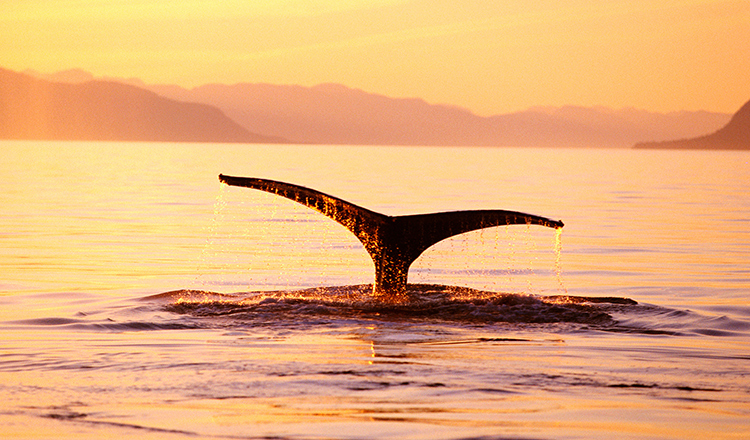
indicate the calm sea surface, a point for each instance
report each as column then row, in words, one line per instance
column 140, row 298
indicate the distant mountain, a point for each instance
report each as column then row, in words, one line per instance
column 335, row 114
column 733, row 136
column 32, row 108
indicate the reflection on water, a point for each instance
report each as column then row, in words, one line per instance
column 267, row 328
column 328, row 363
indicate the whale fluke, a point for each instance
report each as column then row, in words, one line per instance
column 393, row 242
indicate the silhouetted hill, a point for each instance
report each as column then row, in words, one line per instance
column 733, row 136
column 335, row 114
column 32, row 108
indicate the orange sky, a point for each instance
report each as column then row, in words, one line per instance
column 489, row 56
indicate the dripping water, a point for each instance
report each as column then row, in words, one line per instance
column 238, row 236
column 558, row 265
column 503, row 261
column 530, row 244
column 261, row 242
column 211, row 235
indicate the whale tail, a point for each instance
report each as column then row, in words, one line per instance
column 393, row 242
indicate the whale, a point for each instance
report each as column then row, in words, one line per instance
column 393, row 242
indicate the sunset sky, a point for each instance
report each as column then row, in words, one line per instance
column 488, row 56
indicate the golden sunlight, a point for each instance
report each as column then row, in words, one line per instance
column 490, row 57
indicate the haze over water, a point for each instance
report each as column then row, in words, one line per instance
column 141, row 298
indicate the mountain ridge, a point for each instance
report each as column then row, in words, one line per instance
column 336, row 114
column 332, row 113
column 32, row 108
column 735, row 135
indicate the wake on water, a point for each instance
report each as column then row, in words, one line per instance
column 441, row 304
column 430, row 304
column 427, row 302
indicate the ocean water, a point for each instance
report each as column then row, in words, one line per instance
column 140, row 298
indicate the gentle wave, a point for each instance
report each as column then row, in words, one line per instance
column 105, row 324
